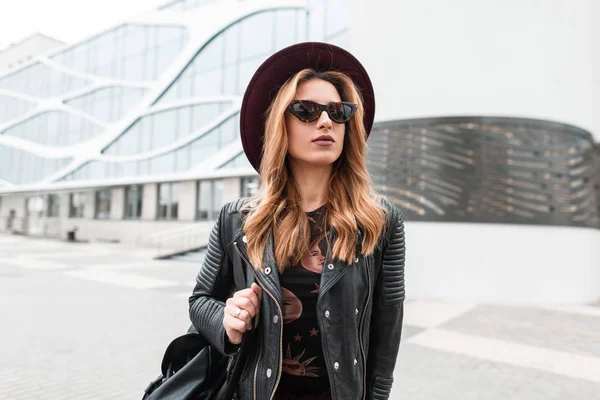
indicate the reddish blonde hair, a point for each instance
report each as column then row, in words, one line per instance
column 352, row 201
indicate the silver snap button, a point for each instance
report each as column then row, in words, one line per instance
column 276, row 319
column 355, row 361
column 336, row 365
column 330, row 266
column 356, row 311
column 245, row 239
column 356, row 259
column 268, row 270
column 326, row 313
column 269, row 372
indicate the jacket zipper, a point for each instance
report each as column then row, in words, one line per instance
column 280, row 336
column 362, row 321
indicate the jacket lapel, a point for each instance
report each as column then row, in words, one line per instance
column 269, row 280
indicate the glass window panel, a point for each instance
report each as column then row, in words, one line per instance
column 256, row 38
column 108, row 104
column 286, row 28
column 20, row 167
column 164, row 130
column 103, row 201
column 129, row 169
column 133, row 201
column 250, row 186
column 163, row 201
column 230, row 79
column 211, row 56
column 164, row 56
column 301, row 26
column 77, row 203
column 232, row 44
column 41, row 80
column 36, row 206
column 144, row 134
column 239, row 161
column 184, row 119
column 55, row 128
column 13, row 108
column 125, row 52
column 164, row 164
column 182, row 158
column 134, row 67
column 208, row 83
column 174, row 206
column 53, row 206
column 218, row 187
column 203, row 203
column 247, row 69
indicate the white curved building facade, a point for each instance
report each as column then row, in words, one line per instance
column 135, row 130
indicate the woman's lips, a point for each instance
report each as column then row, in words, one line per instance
column 323, row 142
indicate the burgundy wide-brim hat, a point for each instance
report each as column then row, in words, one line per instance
column 277, row 69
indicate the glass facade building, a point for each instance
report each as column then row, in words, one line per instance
column 132, row 122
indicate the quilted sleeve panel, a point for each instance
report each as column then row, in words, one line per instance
column 385, row 328
column 381, row 388
column 213, row 285
column 392, row 268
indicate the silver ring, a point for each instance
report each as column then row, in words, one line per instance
column 238, row 312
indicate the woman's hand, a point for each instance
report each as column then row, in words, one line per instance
column 239, row 312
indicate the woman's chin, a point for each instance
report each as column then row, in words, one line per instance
column 321, row 160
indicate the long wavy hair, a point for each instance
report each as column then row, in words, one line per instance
column 352, row 201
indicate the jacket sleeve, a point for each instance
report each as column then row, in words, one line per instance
column 214, row 284
column 388, row 312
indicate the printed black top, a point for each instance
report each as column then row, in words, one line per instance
column 304, row 370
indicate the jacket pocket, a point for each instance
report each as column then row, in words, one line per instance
column 381, row 388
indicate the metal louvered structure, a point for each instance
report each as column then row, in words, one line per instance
column 488, row 169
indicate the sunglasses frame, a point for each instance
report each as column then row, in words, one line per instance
column 323, row 107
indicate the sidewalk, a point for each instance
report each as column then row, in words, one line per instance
column 91, row 321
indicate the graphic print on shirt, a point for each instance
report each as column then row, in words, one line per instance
column 292, row 306
column 303, row 361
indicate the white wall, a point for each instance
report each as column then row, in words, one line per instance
column 231, row 189
column 117, row 203
column 149, row 200
column 496, row 263
column 187, row 201
column 520, row 58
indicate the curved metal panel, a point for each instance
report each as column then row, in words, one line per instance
column 488, row 169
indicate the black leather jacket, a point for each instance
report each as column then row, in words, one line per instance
column 360, row 311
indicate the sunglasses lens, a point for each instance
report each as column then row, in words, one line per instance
column 305, row 110
column 340, row 112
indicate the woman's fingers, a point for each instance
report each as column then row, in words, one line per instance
column 242, row 303
column 239, row 311
column 232, row 329
column 239, row 314
column 249, row 294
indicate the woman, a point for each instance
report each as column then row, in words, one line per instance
column 327, row 327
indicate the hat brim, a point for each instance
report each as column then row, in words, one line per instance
column 277, row 69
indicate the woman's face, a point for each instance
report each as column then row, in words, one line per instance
column 303, row 146
column 313, row 259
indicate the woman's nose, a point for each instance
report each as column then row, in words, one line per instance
column 324, row 121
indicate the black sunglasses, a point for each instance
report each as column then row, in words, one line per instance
column 309, row 111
